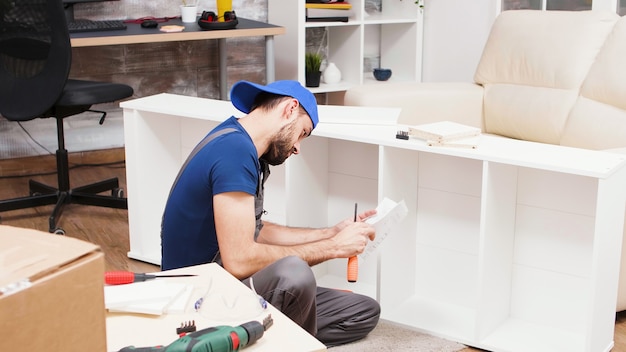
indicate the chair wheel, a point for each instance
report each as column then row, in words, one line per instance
column 59, row 231
column 117, row 192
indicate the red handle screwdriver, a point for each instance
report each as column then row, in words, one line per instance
column 127, row 277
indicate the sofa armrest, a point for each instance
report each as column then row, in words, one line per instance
column 423, row 102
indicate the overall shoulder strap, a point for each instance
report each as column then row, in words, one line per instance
column 195, row 150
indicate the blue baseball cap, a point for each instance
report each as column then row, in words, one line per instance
column 243, row 93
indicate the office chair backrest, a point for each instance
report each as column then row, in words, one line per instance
column 35, row 57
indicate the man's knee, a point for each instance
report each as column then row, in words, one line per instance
column 371, row 314
column 289, row 285
column 372, row 306
column 296, row 273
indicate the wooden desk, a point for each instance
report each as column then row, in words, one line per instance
column 513, row 246
column 135, row 34
column 146, row 330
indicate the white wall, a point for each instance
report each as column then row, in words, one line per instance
column 455, row 32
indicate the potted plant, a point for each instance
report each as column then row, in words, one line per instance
column 312, row 63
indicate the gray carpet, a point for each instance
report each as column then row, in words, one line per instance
column 388, row 336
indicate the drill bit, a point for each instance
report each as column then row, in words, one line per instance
column 267, row 322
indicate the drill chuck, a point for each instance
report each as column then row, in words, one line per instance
column 255, row 331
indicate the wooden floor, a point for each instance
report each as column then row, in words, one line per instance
column 103, row 226
column 109, row 227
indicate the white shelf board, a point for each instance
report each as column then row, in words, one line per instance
column 331, row 24
column 549, row 157
column 181, row 105
column 336, row 87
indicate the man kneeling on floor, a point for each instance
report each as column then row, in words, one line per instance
column 215, row 209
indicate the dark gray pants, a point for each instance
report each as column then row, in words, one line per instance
column 334, row 317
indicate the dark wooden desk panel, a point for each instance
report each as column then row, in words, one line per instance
column 135, row 34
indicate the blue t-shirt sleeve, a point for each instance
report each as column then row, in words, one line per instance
column 236, row 169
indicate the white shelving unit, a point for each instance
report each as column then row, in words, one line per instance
column 514, row 246
column 395, row 33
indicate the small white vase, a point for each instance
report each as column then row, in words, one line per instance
column 331, row 74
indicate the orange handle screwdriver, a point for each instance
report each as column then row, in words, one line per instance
column 353, row 269
column 127, row 277
column 353, row 262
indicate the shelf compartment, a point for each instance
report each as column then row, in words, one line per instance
column 434, row 317
column 345, row 52
column 394, row 10
column 330, row 177
column 429, row 267
column 400, row 50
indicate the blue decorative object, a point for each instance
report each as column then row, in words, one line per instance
column 382, row 74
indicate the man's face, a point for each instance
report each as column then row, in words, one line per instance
column 287, row 140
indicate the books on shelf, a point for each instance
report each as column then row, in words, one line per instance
column 447, row 133
column 335, row 5
column 327, row 17
column 328, row 11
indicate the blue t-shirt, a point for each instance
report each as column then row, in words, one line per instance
column 228, row 163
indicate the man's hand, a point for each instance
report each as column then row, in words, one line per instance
column 360, row 217
column 353, row 239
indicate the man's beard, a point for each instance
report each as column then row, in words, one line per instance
column 280, row 147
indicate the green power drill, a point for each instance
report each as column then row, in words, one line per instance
column 214, row 339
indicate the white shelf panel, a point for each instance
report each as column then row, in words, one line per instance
column 337, row 87
column 541, row 156
column 368, row 78
column 331, row 24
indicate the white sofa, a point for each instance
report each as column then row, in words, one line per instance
column 555, row 77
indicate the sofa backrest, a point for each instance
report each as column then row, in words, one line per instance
column 532, row 69
column 598, row 118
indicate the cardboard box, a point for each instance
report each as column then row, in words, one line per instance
column 51, row 293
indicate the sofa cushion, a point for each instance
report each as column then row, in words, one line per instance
column 525, row 112
column 533, row 66
column 598, row 119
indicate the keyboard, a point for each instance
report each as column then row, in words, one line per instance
column 95, row 26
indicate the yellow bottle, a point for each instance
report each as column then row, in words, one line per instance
column 223, row 6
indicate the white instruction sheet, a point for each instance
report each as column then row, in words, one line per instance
column 388, row 215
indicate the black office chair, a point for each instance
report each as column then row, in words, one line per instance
column 35, row 59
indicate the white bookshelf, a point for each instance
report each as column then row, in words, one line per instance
column 395, row 34
column 514, row 246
